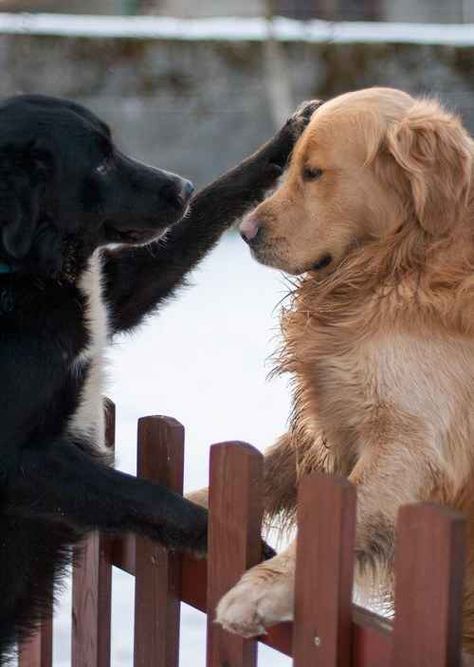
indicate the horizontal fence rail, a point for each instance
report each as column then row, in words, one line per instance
column 329, row 630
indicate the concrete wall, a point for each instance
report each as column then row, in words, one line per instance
column 67, row 6
column 198, row 106
column 191, row 8
column 438, row 11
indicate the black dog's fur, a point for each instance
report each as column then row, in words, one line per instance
column 66, row 191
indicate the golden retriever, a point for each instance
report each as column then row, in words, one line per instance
column 376, row 211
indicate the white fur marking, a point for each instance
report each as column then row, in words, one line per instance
column 88, row 420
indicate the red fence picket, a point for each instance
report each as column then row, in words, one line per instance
column 329, row 630
column 157, row 603
column 235, row 516
column 429, row 572
column 322, row 632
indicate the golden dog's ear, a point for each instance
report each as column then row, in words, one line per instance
column 435, row 152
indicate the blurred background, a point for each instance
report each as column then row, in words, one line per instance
column 193, row 87
column 454, row 11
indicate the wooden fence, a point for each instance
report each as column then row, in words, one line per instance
column 329, row 630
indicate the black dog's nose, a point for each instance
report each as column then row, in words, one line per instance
column 184, row 191
column 177, row 191
column 187, row 191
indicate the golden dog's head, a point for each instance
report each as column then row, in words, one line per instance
column 368, row 163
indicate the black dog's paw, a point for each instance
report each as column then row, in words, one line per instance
column 185, row 531
column 198, row 548
column 298, row 121
column 197, row 535
column 282, row 144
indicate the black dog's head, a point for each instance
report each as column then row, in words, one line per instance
column 65, row 189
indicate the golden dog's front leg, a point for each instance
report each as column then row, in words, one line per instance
column 386, row 478
column 263, row 596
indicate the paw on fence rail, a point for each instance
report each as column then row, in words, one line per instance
column 329, row 630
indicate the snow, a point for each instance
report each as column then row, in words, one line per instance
column 234, row 29
column 203, row 361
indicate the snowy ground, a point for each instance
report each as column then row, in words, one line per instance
column 202, row 360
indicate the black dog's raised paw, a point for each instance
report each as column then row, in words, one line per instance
column 297, row 122
column 279, row 149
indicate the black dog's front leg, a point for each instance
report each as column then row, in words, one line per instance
column 62, row 483
column 138, row 279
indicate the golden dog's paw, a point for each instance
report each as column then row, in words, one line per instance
column 251, row 606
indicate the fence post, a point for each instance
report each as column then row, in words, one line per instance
column 235, row 516
column 92, row 588
column 429, row 569
column 38, row 651
column 322, row 631
column 157, row 579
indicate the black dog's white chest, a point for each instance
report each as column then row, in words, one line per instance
column 88, row 419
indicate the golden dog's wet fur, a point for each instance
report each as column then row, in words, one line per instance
column 380, row 343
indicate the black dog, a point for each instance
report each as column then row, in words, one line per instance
column 65, row 192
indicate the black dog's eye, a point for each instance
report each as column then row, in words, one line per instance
column 311, row 174
column 104, row 167
column 107, row 162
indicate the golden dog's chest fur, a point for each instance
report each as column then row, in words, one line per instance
column 382, row 370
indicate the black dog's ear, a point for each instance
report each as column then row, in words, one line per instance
column 23, row 176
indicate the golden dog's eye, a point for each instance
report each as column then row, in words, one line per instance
column 311, row 174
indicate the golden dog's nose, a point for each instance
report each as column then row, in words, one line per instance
column 249, row 228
